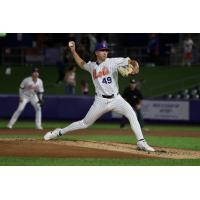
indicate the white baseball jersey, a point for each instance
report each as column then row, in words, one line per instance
column 188, row 44
column 105, row 75
column 30, row 88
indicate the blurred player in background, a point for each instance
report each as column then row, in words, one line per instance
column 84, row 87
column 31, row 90
column 134, row 97
column 70, row 81
column 188, row 51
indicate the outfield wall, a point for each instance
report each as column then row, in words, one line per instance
column 55, row 107
column 76, row 107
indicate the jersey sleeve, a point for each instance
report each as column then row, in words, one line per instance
column 88, row 66
column 118, row 62
column 22, row 85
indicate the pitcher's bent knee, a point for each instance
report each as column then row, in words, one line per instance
column 84, row 124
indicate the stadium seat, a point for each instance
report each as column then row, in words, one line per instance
column 186, row 97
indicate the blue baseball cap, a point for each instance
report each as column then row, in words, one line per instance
column 101, row 46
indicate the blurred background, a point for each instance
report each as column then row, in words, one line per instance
column 169, row 76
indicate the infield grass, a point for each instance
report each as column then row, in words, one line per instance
column 27, row 161
column 62, row 124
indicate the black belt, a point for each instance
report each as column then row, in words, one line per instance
column 108, row 96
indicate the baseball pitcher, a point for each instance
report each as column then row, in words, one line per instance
column 31, row 90
column 104, row 72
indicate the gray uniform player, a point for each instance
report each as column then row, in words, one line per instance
column 31, row 90
column 104, row 74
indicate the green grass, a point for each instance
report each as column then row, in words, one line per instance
column 174, row 127
column 21, row 161
column 55, row 124
column 31, row 124
column 164, row 77
column 61, row 124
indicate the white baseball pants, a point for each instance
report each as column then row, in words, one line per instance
column 38, row 114
column 103, row 105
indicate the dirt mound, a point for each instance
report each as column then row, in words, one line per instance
column 86, row 149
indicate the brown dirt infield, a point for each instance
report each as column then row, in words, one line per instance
column 88, row 149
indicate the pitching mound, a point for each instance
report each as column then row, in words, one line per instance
column 86, row 149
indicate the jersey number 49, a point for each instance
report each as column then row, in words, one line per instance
column 107, row 80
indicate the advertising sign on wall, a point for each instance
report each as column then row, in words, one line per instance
column 165, row 110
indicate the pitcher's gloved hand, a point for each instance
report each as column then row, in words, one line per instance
column 135, row 67
column 131, row 69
